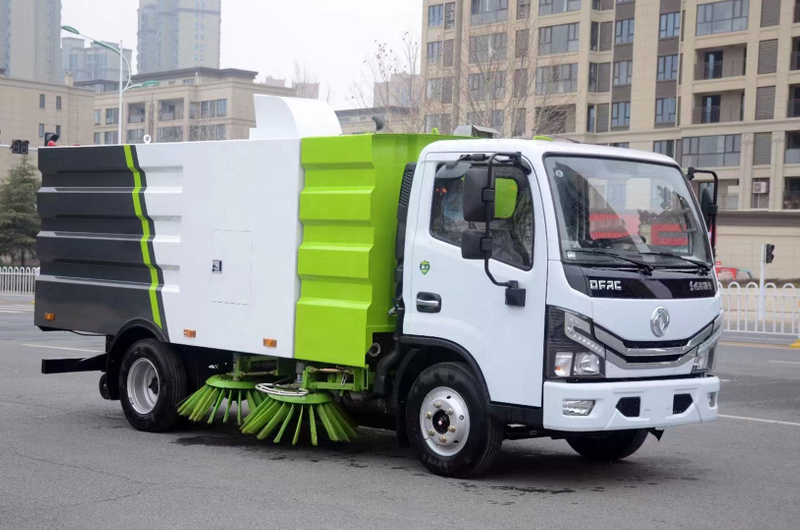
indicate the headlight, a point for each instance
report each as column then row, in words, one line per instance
column 571, row 348
column 704, row 359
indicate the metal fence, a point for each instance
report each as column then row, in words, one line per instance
column 777, row 311
column 18, row 281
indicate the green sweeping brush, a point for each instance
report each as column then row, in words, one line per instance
column 281, row 406
column 222, row 392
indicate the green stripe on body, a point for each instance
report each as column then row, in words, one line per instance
column 137, row 206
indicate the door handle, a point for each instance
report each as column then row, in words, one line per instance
column 429, row 303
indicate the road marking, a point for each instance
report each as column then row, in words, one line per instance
column 760, row 420
column 724, row 380
column 61, row 348
column 754, row 345
column 11, row 312
column 784, row 362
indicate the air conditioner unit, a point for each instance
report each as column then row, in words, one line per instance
column 760, row 188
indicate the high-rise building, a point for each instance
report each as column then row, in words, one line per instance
column 714, row 84
column 93, row 63
column 29, row 39
column 178, row 34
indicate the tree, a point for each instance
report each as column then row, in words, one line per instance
column 19, row 221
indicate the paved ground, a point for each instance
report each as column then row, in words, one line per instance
column 68, row 459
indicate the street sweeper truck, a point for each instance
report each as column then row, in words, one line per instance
column 460, row 291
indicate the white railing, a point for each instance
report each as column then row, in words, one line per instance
column 18, row 281
column 777, row 311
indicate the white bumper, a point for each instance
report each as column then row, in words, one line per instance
column 655, row 408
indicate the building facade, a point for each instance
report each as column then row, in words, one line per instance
column 178, row 34
column 30, row 39
column 188, row 105
column 92, row 63
column 714, row 84
column 29, row 109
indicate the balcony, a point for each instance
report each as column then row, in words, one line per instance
column 793, row 109
column 791, row 200
column 721, row 114
column 728, row 202
column 794, row 61
column 718, row 70
column 489, row 17
column 136, row 113
column 170, row 110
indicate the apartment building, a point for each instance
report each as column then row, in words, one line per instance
column 29, row 39
column 178, row 34
column 196, row 104
column 92, row 63
column 714, row 84
column 29, row 109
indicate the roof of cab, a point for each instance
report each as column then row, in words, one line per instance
column 540, row 148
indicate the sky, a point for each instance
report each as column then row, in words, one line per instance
column 328, row 37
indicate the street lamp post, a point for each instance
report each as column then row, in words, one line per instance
column 123, row 62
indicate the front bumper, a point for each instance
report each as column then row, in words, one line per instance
column 657, row 400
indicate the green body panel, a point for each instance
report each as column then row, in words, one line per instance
column 348, row 209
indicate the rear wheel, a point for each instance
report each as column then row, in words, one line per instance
column 152, row 381
column 608, row 446
column 449, row 424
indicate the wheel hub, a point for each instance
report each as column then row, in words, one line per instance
column 143, row 386
column 445, row 421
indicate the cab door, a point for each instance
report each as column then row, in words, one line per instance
column 448, row 297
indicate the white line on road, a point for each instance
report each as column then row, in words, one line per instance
column 784, row 362
column 61, row 348
column 760, row 420
column 13, row 312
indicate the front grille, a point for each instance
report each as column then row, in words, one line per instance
column 629, row 406
column 649, row 359
column 638, row 344
column 681, row 403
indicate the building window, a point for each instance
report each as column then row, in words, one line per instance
column 491, row 85
column 667, row 68
column 669, row 25
column 434, row 90
column 521, row 43
column 722, row 17
column 621, row 114
column 98, row 139
column 112, row 116
column 523, row 9
column 58, row 102
column 623, row 71
column 493, row 118
column 590, row 118
column 520, row 126
column 760, row 200
column 441, row 122
column 665, row 110
column 489, row 11
column 98, row 116
column 111, row 138
column 712, row 151
column 135, row 136
column 549, row 7
column 42, row 100
column 206, row 133
column 594, row 38
column 521, row 83
column 435, row 15
column 559, row 39
column 623, row 31
column 620, row 198
column 58, row 131
column 487, row 48
column 169, row 134
column 512, row 234
column 450, row 15
column 665, row 147
column 41, row 130
column 557, row 79
column 434, row 52
column 592, row 77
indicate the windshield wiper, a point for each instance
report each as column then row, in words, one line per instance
column 645, row 267
column 699, row 264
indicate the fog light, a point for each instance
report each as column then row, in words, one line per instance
column 578, row 407
column 563, row 364
column 587, row 364
column 712, row 399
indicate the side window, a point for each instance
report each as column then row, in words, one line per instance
column 512, row 229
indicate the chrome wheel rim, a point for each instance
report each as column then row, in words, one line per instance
column 144, row 385
column 444, row 420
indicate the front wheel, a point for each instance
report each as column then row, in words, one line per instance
column 152, row 381
column 448, row 422
column 608, row 446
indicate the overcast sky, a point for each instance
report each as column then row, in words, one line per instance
column 329, row 37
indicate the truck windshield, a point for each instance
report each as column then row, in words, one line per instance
column 625, row 213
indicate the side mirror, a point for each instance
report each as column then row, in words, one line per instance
column 477, row 195
column 707, row 206
column 475, row 245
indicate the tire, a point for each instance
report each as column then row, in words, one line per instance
column 608, row 446
column 158, row 384
column 456, row 400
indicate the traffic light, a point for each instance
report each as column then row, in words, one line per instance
column 769, row 253
column 19, row 147
column 50, row 139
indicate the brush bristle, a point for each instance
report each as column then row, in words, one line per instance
column 208, row 401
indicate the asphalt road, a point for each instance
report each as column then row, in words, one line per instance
column 68, row 459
